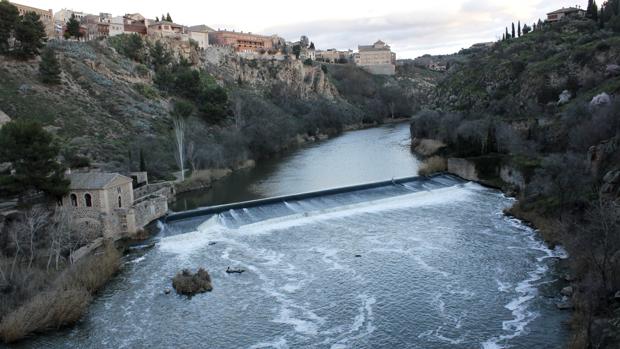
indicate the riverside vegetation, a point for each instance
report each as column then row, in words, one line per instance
column 544, row 107
column 143, row 104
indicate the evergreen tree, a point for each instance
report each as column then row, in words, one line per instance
column 156, row 19
column 168, row 18
column 311, row 46
column 592, row 11
column 507, row 35
column 9, row 16
column 526, row 29
column 29, row 35
column 73, row 27
column 163, row 17
column 32, row 153
column 519, row 29
column 142, row 161
column 513, row 30
column 49, row 68
column 160, row 56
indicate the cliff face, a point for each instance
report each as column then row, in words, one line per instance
column 303, row 81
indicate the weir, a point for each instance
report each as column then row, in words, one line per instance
column 406, row 184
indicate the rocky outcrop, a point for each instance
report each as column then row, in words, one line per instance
column 303, row 81
column 600, row 100
column 4, row 118
column 463, row 168
column 611, row 184
column 598, row 154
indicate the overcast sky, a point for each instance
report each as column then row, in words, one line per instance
column 412, row 27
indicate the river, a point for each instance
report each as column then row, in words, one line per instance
column 432, row 263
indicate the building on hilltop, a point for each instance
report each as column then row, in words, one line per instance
column 134, row 23
column 334, row 56
column 200, row 34
column 63, row 16
column 47, row 17
column 570, row 12
column 242, row 42
column 165, row 29
column 113, row 204
column 377, row 59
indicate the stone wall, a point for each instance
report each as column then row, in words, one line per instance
column 164, row 188
column 382, row 69
column 149, row 209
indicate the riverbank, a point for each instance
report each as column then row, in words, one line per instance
column 587, row 324
column 204, row 179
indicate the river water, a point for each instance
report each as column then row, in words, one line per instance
column 432, row 263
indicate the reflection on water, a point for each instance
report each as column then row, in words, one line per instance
column 356, row 157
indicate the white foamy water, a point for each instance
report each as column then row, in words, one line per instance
column 384, row 268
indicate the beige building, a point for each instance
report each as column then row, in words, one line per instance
column 47, row 17
column 106, row 202
column 562, row 13
column 377, row 59
column 334, row 56
column 200, row 34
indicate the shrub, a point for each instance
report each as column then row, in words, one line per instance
column 45, row 311
column 433, row 165
column 93, row 272
column 308, row 61
column 187, row 283
column 146, row 90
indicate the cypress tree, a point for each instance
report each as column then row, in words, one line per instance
column 73, row 27
column 142, row 161
column 519, row 28
column 168, row 18
column 507, row 35
column 49, row 68
column 513, row 30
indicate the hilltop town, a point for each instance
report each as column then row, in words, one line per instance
column 376, row 58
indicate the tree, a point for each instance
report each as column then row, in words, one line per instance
column 519, row 29
column 29, row 35
column 507, row 34
column 156, row 19
column 297, row 51
column 32, row 153
column 168, row 18
column 182, row 110
column 49, row 68
column 160, row 56
column 513, row 30
column 526, row 29
column 73, row 27
column 142, row 161
column 311, row 46
column 8, row 18
column 592, row 11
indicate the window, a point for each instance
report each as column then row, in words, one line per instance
column 120, row 202
column 74, row 200
column 88, row 200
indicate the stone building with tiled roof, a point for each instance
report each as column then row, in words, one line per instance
column 105, row 202
column 562, row 13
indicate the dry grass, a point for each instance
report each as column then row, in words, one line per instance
column 45, row 311
column 433, row 165
column 188, row 284
column 65, row 300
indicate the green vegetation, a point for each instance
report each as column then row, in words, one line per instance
column 73, row 28
column 49, row 68
column 21, row 36
column 32, row 153
column 129, row 45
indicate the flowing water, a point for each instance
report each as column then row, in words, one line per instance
column 431, row 263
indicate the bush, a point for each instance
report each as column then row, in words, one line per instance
column 146, row 90
column 129, row 45
column 93, row 272
column 433, row 165
column 188, row 284
column 46, row 311
column 308, row 61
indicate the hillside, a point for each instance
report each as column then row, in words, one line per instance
column 539, row 116
column 110, row 106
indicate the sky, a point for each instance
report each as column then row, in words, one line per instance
column 412, row 28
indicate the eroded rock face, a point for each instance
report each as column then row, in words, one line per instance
column 611, row 184
column 4, row 118
column 600, row 100
column 612, row 70
column 565, row 97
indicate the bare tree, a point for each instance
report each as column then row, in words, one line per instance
column 59, row 236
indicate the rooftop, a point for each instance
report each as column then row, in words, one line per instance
column 565, row 10
column 94, row 180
